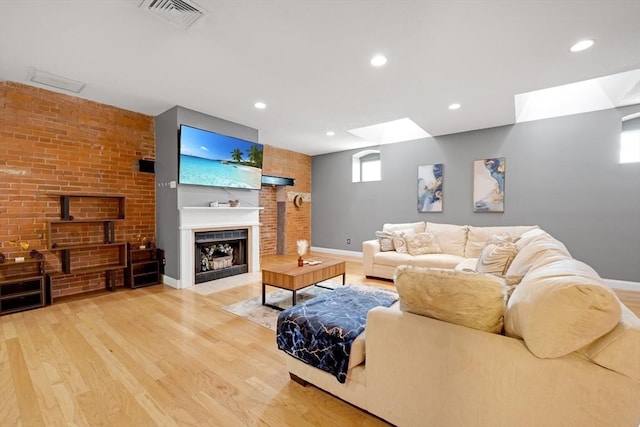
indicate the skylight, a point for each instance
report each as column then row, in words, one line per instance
column 601, row 93
column 390, row 132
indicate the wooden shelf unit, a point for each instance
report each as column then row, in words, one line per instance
column 145, row 266
column 22, row 285
column 66, row 249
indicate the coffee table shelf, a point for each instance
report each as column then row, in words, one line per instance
column 294, row 278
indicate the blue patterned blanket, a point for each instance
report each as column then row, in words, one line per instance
column 320, row 331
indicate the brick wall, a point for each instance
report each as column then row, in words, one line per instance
column 280, row 162
column 52, row 143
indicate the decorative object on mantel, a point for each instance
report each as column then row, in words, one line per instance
column 302, row 249
column 36, row 255
column 234, row 203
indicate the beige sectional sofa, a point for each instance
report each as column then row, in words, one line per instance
column 568, row 354
column 458, row 243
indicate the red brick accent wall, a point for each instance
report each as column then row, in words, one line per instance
column 52, row 143
column 268, row 219
column 280, row 162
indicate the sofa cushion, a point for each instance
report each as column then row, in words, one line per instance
column 497, row 255
column 357, row 355
column 468, row 299
column 395, row 259
column 422, row 243
column 561, row 307
column 619, row 350
column 385, row 239
column 416, row 227
column 452, row 238
column 477, row 237
column 537, row 251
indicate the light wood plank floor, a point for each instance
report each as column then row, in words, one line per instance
column 160, row 356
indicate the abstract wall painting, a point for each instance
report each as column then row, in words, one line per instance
column 488, row 185
column 430, row 194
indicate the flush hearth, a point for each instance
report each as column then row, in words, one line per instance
column 220, row 254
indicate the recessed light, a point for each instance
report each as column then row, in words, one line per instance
column 582, row 45
column 378, row 60
column 260, row 105
column 331, row 133
column 454, row 106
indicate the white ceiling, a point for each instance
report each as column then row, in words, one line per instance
column 308, row 60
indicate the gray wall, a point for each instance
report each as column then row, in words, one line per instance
column 561, row 174
column 169, row 200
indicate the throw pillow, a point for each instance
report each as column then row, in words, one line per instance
column 399, row 244
column 497, row 255
column 468, row 299
column 422, row 243
column 561, row 307
column 386, row 241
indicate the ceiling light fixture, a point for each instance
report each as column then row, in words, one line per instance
column 260, row 105
column 59, row 82
column 331, row 133
column 582, row 45
column 454, row 106
column 378, row 60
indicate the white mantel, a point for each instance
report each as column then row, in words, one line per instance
column 196, row 219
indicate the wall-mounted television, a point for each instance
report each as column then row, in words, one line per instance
column 213, row 159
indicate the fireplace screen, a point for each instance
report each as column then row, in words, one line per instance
column 220, row 254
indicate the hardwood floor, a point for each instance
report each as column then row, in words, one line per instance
column 160, row 356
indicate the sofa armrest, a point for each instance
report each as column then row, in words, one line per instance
column 369, row 249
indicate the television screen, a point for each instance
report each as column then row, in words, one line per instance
column 209, row 158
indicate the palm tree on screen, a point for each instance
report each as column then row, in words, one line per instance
column 236, row 155
column 255, row 156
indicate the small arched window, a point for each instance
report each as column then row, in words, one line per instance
column 630, row 139
column 366, row 166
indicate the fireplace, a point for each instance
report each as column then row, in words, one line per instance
column 198, row 219
column 220, row 254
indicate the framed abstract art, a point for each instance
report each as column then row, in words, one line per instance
column 430, row 196
column 488, row 185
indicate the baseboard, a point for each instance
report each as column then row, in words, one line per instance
column 170, row 281
column 623, row 284
column 337, row 252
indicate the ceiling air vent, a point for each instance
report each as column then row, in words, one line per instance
column 183, row 13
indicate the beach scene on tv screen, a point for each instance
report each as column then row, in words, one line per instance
column 208, row 158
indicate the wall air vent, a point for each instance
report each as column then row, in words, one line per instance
column 53, row 80
column 183, row 13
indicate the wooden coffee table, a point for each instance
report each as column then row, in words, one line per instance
column 294, row 278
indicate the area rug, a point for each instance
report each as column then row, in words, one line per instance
column 253, row 310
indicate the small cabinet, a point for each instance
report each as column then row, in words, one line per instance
column 145, row 266
column 22, row 285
